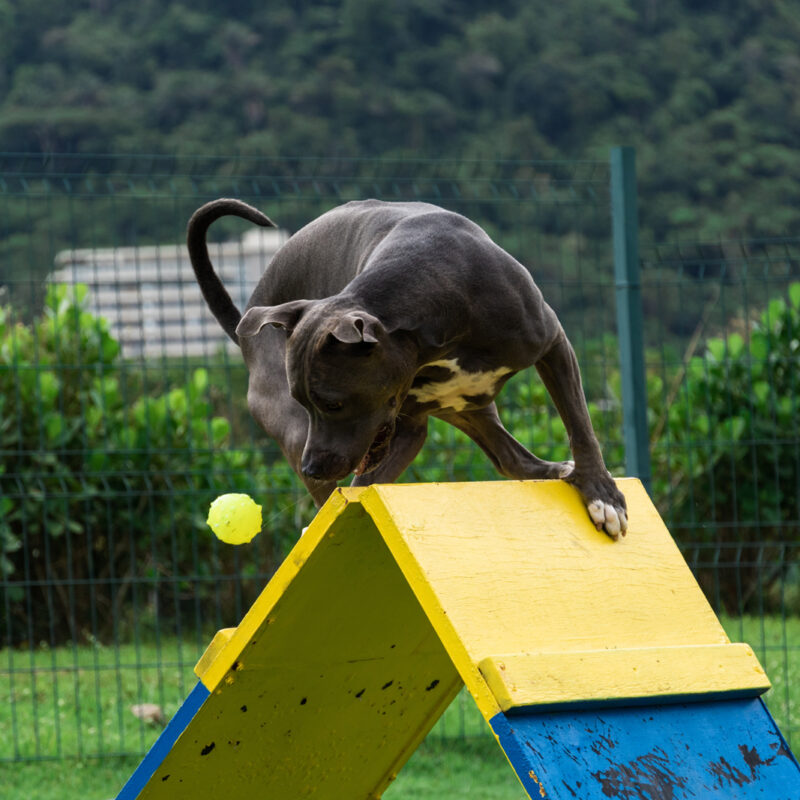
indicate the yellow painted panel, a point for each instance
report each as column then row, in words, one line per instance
column 283, row 578
column 340, row 677
column 599, row 676
column 508, row 566
column 218, row 643
column 395, row 595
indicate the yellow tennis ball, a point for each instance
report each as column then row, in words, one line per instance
column 234, row 518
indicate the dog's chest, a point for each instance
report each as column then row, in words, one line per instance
column 445, row 385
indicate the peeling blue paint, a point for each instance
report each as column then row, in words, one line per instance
column 723, row 750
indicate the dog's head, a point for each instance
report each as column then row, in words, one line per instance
column 350, row 375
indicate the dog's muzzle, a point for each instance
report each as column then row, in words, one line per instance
column 377, row 450
column 324, row 465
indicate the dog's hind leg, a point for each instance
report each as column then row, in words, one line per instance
column 510, row 458
column 409, row 436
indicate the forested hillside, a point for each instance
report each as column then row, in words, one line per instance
column 709, row 92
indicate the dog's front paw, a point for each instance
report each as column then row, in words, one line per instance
column 604, row 502
column 609, row 518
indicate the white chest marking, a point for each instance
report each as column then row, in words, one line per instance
column 452, row 392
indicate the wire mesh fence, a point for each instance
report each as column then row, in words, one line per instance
column 722, row 328
column 123, row 414
column 724, row 397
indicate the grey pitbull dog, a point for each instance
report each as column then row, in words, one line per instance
column 377, row 315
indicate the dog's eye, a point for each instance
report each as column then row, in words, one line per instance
column 325, row 405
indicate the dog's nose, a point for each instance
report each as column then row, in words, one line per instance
column 312, row 471
column 323, row 465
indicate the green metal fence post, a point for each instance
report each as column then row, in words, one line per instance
column 629, row 312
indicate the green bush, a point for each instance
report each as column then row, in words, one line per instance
column 105, row 481
column 725, row 454
column 728, row 450
column 104, row 490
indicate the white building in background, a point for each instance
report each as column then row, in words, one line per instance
column 151, row 299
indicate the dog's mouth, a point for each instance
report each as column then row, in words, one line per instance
column 377, row 450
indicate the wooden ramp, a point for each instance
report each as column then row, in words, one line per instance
column 600, row 667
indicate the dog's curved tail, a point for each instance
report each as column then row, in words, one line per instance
column 215, row 294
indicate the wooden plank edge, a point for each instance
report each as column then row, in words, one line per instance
column 624, row 676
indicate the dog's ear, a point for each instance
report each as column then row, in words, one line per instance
column 357, row 326
column 285, row 316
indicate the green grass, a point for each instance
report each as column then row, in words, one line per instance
column 451, row 770
column 75, row 702
column 67, row 711
column 776, row 642
column 66, row 780
column 457, row 768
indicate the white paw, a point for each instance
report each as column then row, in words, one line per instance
column 607, row 518
column 304, row 530
column 566, row 469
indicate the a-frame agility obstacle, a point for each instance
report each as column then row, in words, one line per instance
column 599, row 666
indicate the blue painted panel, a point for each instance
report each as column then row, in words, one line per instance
column 725, row 750
column 160, row 749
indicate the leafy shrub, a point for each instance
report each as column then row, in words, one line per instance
column 104, row 483
column 103, row 492
column 726, row 466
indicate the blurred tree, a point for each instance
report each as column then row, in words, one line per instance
column 709, row 93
